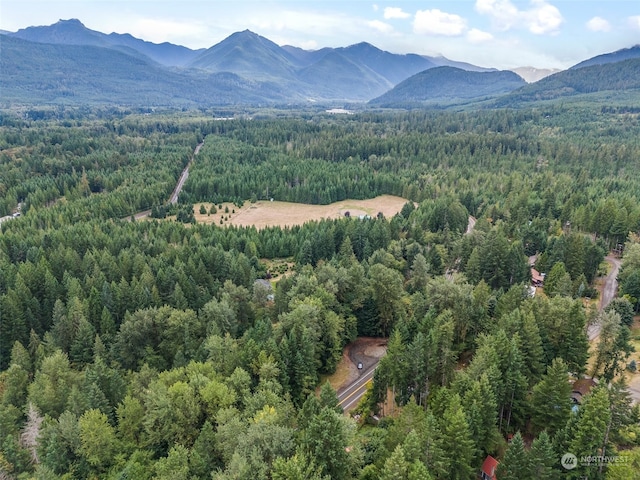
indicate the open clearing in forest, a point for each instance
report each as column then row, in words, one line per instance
column 264, row 213
column 367, row 350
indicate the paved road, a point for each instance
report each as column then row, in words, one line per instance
column 350, row 396
column 609, row 291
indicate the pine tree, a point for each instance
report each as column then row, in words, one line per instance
column 329, row 398
column 456, row 441
column 542, row 458
column 532, row 348
column 396, row 466
column 550, row 401
column 481, row 409
column 515, row 464
column 81, row 352
column 325, row 440
column 589, row 434
column 202, row 458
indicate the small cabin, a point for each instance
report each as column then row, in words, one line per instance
column 537, row 278
column 489, row 467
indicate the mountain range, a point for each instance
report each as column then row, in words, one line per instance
column 69, row 63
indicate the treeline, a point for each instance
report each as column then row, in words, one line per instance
column 514, row 167
column 115, row 267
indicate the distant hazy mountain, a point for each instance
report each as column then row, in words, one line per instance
column 73, row 32
column 339, row 77
column 445, row 62
column 304, row 58
column 357, row 72
column 33, row 72
column 446, row 85
column 619, row 77
column 393, row 67
column 248, row 54
column 66, row 32
column 67, row 62
column 613, row 57
column 532, row 74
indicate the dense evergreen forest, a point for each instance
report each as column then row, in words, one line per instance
column 146, row 349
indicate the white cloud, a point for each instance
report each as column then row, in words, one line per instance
column 598, row 24
column 437, row 22
column 540, row 18
column 478, row 36
column 380, row 26
column 635, row 21
column 309, row 45
column 158, row 30
column 502, row 12
column 543, row 18
column 395, row 12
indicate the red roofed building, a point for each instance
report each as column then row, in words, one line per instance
column 489, row 467
column 537, row 278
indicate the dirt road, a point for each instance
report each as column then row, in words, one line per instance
column 183, row 176
column 609, row 291
column 176, row 191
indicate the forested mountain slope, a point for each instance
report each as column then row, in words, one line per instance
column 78, row 74
column 256, row 70
column 613, row 57
column 623, row 76
column 73, row 32
column 443, row 85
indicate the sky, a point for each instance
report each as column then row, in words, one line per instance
column 491, row 33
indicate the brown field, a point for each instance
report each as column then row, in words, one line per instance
column 267, row 214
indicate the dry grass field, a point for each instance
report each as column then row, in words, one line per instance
column 267, row 214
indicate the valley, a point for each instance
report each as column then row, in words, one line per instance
column 255, row 261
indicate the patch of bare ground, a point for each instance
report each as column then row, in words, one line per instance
column 264, row 214
column 366, row 350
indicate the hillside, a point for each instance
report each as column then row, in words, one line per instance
column 247, row 54
column 613, row 57
column 619, row 76
column 73, row 32
column 67, row 62
column 337, row 76
column 46, row 73
column 443, row 85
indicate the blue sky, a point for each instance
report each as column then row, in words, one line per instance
column 492, row 33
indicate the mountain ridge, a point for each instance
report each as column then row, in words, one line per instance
column 248, row 68
column 74, row 32
column 449, row 85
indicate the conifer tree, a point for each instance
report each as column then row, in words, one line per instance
column 550, row 401
column 457, row 441
column 542, row 458
column 589, row 433
column 515, row 464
